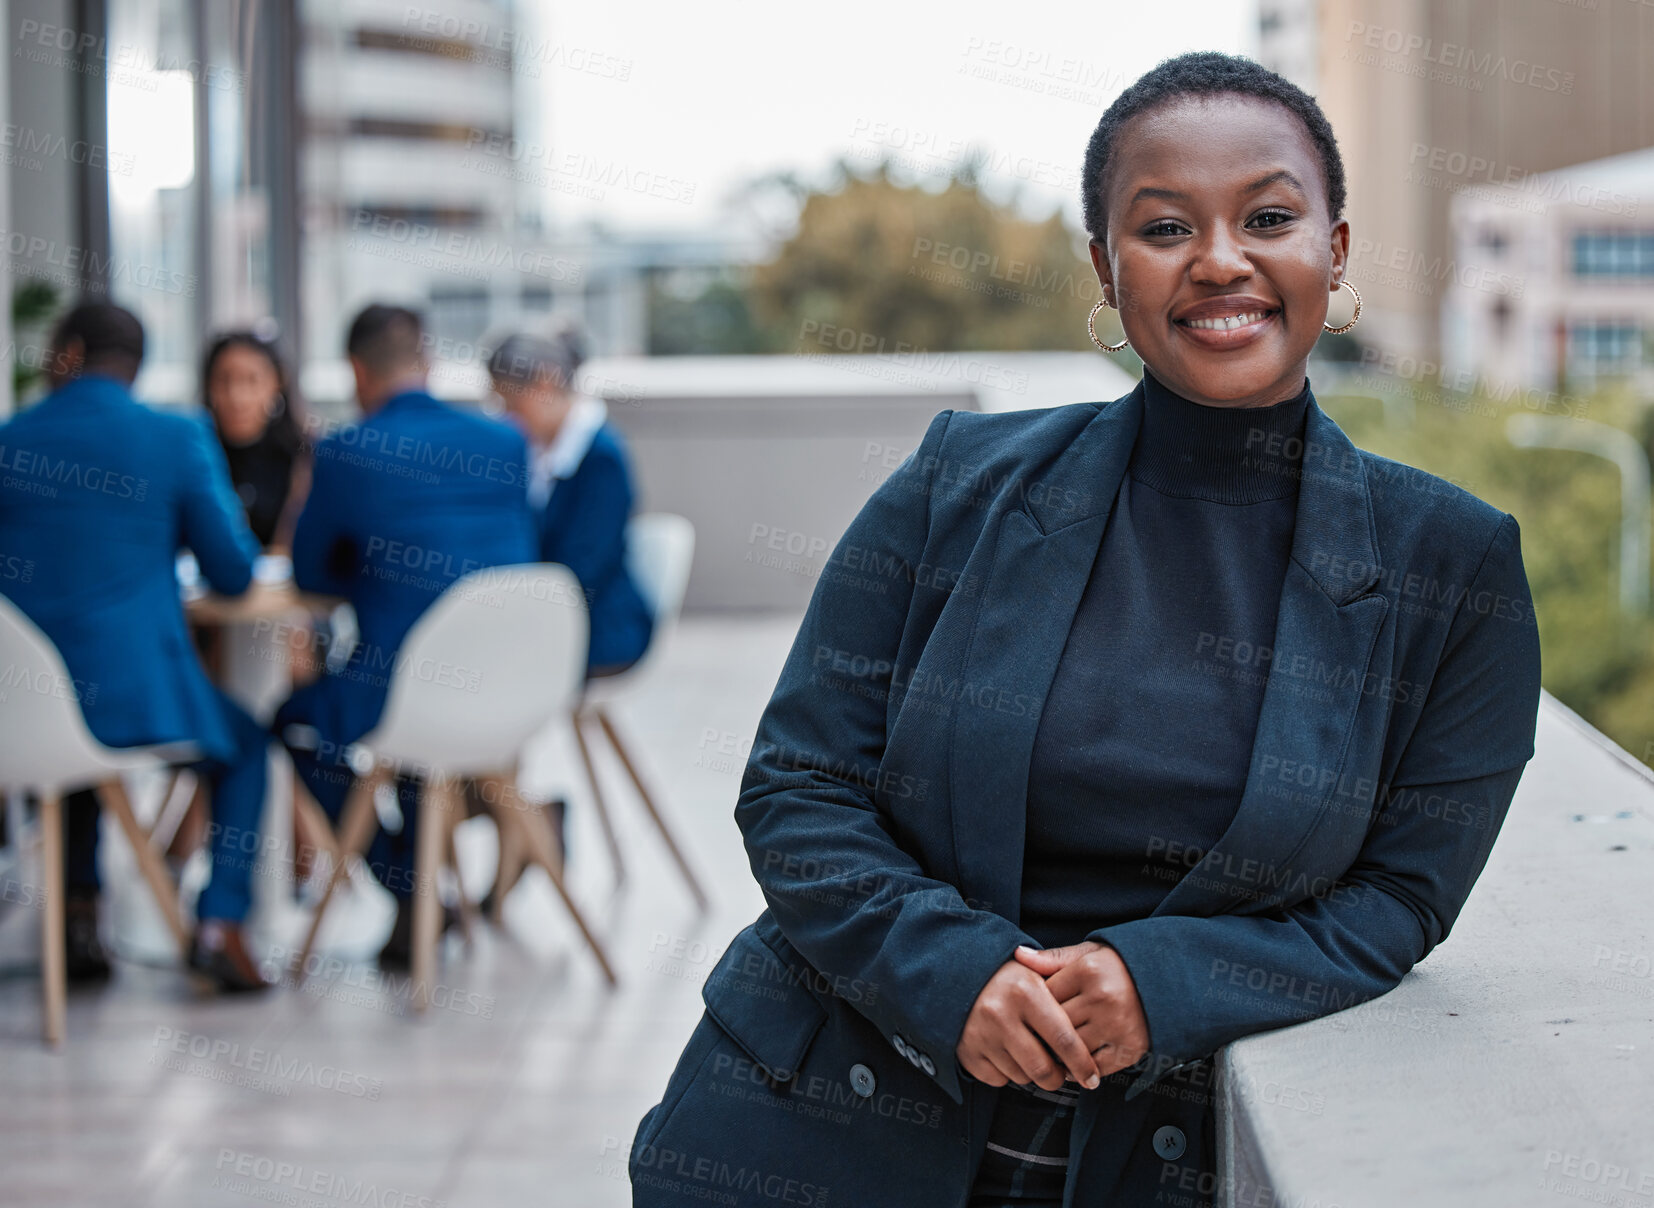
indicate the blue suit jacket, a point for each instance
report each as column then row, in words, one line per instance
column 583, row 526
column 97, row 495
column 883, row 812
column 401, row 505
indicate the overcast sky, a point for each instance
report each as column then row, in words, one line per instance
column 656, row 111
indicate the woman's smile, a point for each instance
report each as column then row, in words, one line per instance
column 1226, row 323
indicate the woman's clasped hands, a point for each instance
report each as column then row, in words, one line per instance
column 1055, row 1015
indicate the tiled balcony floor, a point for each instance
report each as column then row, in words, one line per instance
column 523, row 1086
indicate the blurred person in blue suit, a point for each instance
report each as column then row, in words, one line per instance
column 580, row 489
column 579, row 485
column 99, row 493
column 403, row 504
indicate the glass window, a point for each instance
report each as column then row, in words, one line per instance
column 155, row 260
column 458, row 313
column 241, row 212
column 1622, row 254
column 1603, row 348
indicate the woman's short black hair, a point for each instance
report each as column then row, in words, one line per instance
column 1203, row 73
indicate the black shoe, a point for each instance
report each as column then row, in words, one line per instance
column 219, row 953
column 397, row 954
column 84, row 957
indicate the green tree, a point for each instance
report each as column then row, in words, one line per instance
column 702, row 314
column 1596, row 661
column 876, row 265
column 34, row 304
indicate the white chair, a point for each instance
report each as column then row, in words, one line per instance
column 47, row 750
column 498, row 655
column 660, row 549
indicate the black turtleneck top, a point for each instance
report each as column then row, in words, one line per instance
column 1146, row 737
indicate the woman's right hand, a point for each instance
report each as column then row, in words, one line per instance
column 1002, row 1038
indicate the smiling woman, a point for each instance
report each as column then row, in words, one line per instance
column 1201, row 823
column 1215, row 209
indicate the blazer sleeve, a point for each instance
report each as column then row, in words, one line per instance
column 324, row 554
column 593, row 547
column 212, row 522
column 1204, row 982
column 843, row 891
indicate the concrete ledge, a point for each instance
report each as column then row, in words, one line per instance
column 770, row 482
column 1515, row 1064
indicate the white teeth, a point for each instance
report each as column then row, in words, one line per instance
column 1227, row 322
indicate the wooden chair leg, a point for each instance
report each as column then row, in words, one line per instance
column 511, row 861
column 499, row 793
column 510, row 868
column 53, row 965
column 488, row 790
column 191, row 830
column 603, row 815
column 355, row 831
column 312, row 827
column 538, row 843
column 174, row 805
column 649, row 804
column 534, row 813
column 450, row 855
column 427, row 903
column 112, row 794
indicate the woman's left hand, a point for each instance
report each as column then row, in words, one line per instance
column 1092, row 984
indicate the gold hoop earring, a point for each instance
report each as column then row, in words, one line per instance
column 1091, row 326
column 1340, row 330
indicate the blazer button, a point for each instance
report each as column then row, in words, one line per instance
column 864, row 1084
column 929, row 1066
column 1169, row 1142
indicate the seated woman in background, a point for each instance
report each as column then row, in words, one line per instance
column 244, row 386
column 259, row 425
column 579, row 487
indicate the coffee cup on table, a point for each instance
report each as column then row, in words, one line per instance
column 272, row 570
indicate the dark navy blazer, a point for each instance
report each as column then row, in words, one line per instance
column 97, row 495
column 884, row 802
column 417, row 495
column 583, row 526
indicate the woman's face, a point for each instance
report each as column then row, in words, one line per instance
column 242, row 390
column 540, row 407
column 1220, row 250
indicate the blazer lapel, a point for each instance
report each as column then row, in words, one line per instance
column 1326, row 633
column 1326, row 636
column 1042, row 559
